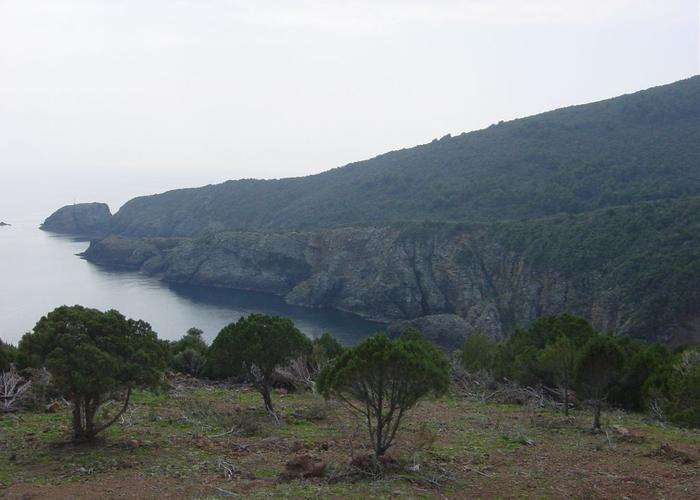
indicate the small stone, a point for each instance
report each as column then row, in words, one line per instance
column 622, row 431
column 54, row 407
column 303, row 466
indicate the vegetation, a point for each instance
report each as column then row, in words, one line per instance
column 381, row 379
column 683, row 400
column 92, row 356
column 8, row 354
column 653, row 247
column 571, row 160
column 597, row 366
column 189, row 354
column 479, row 353
column 200, row 438
column 559, row 361
column 256, row 346
column 565, row 351
column 170, row 445
column 326, row 349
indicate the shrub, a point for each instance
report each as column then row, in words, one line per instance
column 479, row 353
column 518, row 358
column 188, row 355
column 192, row 340
column 381, row 379
column 93, row 356
column 683, row 406
column 558, row 360
column 189, row 361
column 325, row 349
column 255, row 347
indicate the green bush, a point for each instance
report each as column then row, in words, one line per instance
column 325, row 349
column 479, row 353
column 189, row 361
column 188, row 355
column 682, row 406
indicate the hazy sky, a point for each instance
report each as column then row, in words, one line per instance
column 106, row 99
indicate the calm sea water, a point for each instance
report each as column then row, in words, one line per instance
column 40, row 271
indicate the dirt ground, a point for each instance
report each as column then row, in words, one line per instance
column 181, row 445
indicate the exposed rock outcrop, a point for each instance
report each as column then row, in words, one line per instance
column 82, row 219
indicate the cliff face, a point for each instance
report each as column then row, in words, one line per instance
column 82, row 219
column 494, row 277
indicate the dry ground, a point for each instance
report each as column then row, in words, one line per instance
column 170, row 446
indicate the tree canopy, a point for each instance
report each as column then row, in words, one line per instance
column 254, row 347
column 94, row 356
column 381, row 379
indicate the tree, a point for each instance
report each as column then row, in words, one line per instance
column 597, row 366
column 380, row 379
column 479, row 353
column 189, row 353
column 326, row 348
column 255, row 346
column 559, row 358
column 191, row 340
column 683, row 406
column 8, row 354
column 94, row 356
column 519, row 357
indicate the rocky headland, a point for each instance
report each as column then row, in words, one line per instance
column 81, row 219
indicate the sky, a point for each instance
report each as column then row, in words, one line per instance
column 103, row 100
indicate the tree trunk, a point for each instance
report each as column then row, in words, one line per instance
column 378, row 447
column 596, row 415
column 566, row 398
column 90, row 410
column 267, row 398
column 78, row 428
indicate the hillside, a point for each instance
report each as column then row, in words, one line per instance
column 638, row 147
column 633, row 270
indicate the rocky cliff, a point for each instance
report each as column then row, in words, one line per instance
column 631, row 270
column 82, row 219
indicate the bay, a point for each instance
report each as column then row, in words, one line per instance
column 40, row 271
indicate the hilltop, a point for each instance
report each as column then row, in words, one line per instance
column 633, row 148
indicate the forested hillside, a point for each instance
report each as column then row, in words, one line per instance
column 638, row 147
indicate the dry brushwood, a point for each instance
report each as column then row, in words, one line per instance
column 227, row 468
column 299, row 373
column 14, row 390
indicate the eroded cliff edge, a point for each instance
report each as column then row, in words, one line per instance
column 633, row 270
